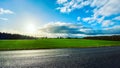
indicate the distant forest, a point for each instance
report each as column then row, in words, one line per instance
column 112, row 38
column 14, row 36
column 18, row 36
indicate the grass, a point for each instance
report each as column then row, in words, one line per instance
column 54, row 43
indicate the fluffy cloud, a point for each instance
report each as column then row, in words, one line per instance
column 107, row 23
column 75, row 30
column 105, row 9
column 110, row 7
column 87, row 19
column 98, row 3
column 65, row 28
column 61, row 1
column 102, row 9
column 68, row 6
column 5, row 11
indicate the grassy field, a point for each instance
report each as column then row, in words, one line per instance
column 54, row 43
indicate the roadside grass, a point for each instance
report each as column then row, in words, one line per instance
column 54, row 43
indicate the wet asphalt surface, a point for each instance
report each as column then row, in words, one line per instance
column 105, row 57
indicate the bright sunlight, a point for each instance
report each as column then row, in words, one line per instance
column 30, row 28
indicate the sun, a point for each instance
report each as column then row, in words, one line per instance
column 30, row 28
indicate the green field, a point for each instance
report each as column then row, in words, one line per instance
column 54, row 43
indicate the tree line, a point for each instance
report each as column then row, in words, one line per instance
column 18, row 36
column 14, row 36
column 112, row 38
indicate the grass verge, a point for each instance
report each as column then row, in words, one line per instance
column 54, row 43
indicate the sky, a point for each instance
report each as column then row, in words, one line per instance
column 52, row 18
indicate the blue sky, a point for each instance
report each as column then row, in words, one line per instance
column 60, row 17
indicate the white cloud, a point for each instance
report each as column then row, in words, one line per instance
column 5, row 11
column 5, row 19
column 117, row 18
column 102, row 9
column 106, row 7
column 71, row 5
column 114, row 27
column 78, row 18
column 89, row 19
column 86, row 19
column 107, row 23
column 61, row 1
column 110, row 8
column 100, row 20
column 64, row 9
column 61, row 27
column 113, row 30
column 55, row 29
column 98, row 3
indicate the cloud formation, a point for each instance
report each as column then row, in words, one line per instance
column 60, row 27
column 5, row 11
column 68, row 6
column 70, row 29
column 107, row 23
column 102, row 10
column 61, row 1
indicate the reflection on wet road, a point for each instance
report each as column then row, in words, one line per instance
column 108, row 57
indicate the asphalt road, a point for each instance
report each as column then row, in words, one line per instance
column 107, row 57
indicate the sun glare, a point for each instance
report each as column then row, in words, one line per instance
column 30, row 28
